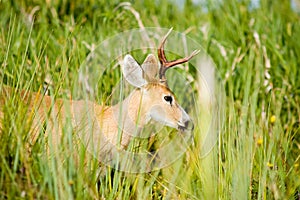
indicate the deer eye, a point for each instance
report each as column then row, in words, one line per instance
column 168, row 99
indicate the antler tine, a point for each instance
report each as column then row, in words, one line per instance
column 161, row 51
column 165, row 64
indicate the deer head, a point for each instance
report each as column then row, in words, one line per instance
column 158, row 101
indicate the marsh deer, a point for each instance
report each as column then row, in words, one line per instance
column 151, row 100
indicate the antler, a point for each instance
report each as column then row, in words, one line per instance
column 165, row 64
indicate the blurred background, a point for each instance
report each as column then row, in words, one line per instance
column 255, row 47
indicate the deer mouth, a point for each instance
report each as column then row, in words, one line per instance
column 186, row 126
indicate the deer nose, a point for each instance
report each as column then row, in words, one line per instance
column 189, row 125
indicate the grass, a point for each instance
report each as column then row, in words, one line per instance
column 256, row 52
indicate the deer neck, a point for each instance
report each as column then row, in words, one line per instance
column 131, row 114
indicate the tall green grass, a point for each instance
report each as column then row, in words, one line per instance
column 256, row 52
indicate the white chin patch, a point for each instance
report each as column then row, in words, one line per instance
column 158, row 115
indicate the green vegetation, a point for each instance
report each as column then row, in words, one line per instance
column 257, row 54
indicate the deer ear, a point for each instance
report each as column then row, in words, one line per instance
column 150, row 67
column 133, row 72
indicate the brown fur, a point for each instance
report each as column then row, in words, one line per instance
column 42, row 109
